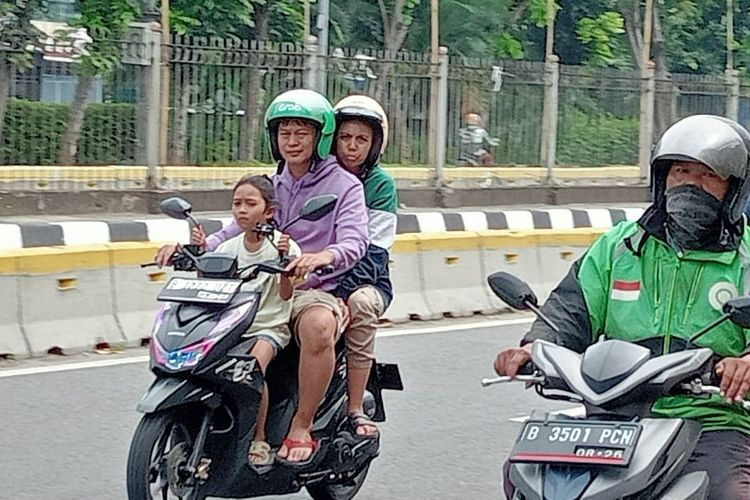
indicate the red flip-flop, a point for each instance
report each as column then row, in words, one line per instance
column 291, row 444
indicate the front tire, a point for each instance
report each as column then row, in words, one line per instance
column 159, row 451
column 339, row 491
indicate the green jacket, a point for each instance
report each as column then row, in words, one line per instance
column 632, row 286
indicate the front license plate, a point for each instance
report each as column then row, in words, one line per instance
column 584, row 442
column 200, row 290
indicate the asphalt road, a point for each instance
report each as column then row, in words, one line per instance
column 66, row 433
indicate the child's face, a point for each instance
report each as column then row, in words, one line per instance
column 249, row 208
column 296, row 141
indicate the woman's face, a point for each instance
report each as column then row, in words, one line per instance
column 353, row 143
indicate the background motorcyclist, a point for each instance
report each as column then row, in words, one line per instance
column 361, row 138
column 657, row 281
column 475, row 145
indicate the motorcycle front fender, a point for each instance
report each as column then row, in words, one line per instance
column 167, row 393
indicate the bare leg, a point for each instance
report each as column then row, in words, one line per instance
column 264, row 352
column 357, row 380
column 316, row 332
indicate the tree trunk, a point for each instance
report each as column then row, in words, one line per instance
column 69, row 143
column 253, row 86
column 4, row 92
column 665, row 104
column 394, row 34
column 634, row 28
column 179, row 141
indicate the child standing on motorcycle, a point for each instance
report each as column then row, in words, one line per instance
column 253, row 203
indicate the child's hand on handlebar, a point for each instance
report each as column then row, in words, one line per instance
column 283, row 245
column 198, row 236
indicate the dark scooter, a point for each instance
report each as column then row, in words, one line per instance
column 619, row 450
column 200, row 412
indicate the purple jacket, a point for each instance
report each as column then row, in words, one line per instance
column 343, row 232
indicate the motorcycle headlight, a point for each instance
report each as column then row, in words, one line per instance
column 180, row 359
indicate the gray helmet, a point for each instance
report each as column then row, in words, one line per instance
column 719, row 143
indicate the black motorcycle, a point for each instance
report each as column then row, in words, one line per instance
column 200, row 412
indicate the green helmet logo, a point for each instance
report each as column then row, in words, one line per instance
column 305, row 105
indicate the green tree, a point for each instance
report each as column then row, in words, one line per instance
column 18, row 39
column 105, row 21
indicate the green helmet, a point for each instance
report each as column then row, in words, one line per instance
column 305, row 105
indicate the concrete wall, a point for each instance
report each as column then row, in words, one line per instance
column 79, row 297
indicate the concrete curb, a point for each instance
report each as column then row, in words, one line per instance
column 69, row 233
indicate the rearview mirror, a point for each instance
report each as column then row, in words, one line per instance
column 318, row 207
column 511, row 290
column 739, row 311
column 176, row 207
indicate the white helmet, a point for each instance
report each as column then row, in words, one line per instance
column 367, row 109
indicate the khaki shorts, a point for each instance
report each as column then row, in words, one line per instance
column 305, row 299
column 279, row 336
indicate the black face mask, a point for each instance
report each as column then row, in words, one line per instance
column 693, row 218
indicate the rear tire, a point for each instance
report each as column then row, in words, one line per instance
column 339, row 491
column 161, row 444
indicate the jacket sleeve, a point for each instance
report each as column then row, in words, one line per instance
column 222, row 235
column 350, row 229
column 578, row 306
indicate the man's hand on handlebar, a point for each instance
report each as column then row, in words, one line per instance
column 735, row 378
column 510, row 361
column 164, row 255
column 307, row 263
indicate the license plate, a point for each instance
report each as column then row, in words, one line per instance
column 201, row 290
column 582, row 442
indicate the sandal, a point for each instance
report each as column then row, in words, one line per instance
column 259, row 454
column 358, row 420
column 292, row 444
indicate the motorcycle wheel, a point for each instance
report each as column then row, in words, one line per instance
column 339, row 491
column 160, row 449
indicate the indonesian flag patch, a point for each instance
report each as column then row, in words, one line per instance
column 626, row 290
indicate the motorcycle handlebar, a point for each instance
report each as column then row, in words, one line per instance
column 533, row 379
column 698, row 389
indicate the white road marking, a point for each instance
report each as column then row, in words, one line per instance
column 397, row 332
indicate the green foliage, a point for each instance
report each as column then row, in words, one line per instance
column 600, row 35
column 508, row 46
column 538, row 12
column 105, row 22
column 33, row 131
column 211, row 17
column 588, row 138
column 17, row 31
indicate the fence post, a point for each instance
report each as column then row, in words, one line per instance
column 645, row 139
column 441, row 131
column 733, row 93
column 548, row 146
column 312, row 63
column 144, row 51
